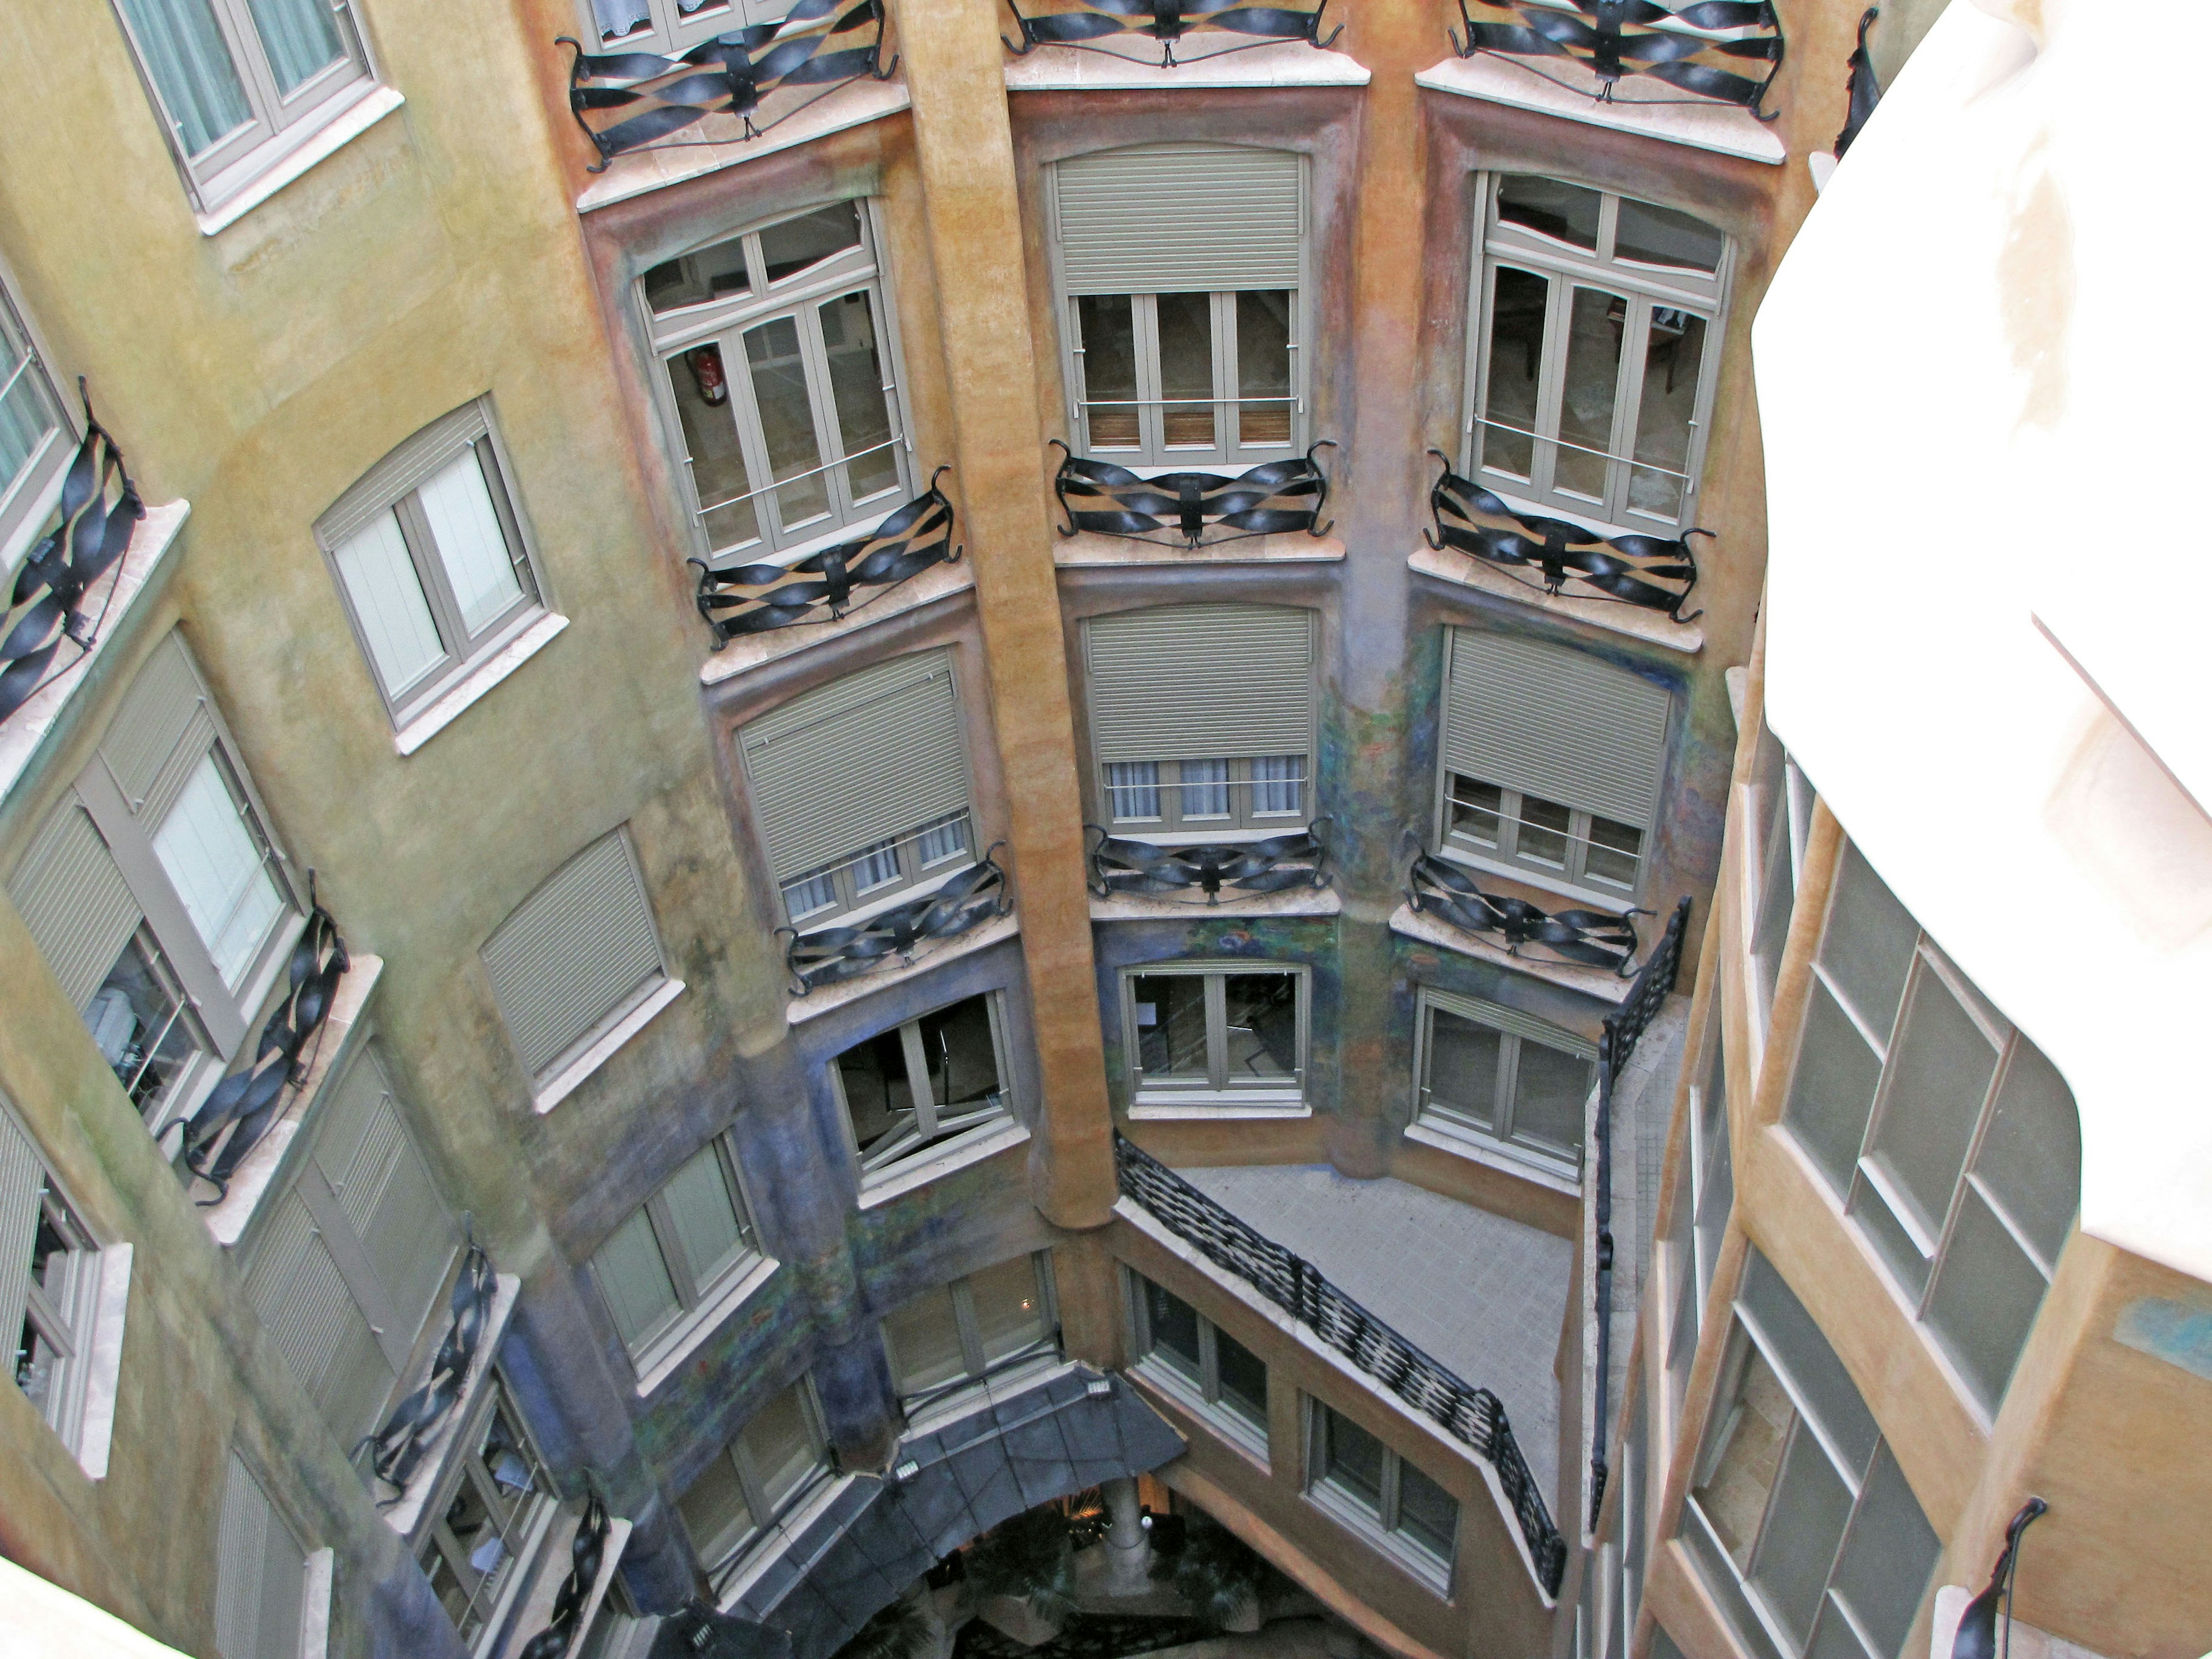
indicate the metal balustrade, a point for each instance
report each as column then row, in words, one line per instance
column 1183, row 509
column 1699, row 48
column 1240, row 869
column 1088, row 24
column 397, row 1449
column 1587, row 939
column 586, row 1551
column 829, row 955
column 1472, row 1416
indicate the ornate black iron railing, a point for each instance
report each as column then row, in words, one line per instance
column 1863, row 89
column 1623, row 1028
column 1241, row 869
column 1183, row 509
column 1653, row 573
column 586, row 1551
column 753, row 598
column 100, row 508
column 1700, row 48
column 828, row 956
column 1089, row 25
column 1474, row 1417
column 397, row 1449
column 247, row 1102
column 1587, row 938
column 633, row 101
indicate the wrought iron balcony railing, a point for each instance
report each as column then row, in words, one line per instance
column 397, row 1449
column 1474, row 1417
column 1094, row 25
column 753, row 598
column 635, row 100
column 1700, row 48
column 586, row 1550
column 1655, row 573
column 1587, row 939
column 829, row 955
column 1240, row 869
column 1184, row 509
column 1863, row 91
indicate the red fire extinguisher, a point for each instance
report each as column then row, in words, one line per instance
column 706, row 365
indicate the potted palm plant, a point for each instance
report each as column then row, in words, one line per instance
column 1223, row 1579
column 1023, row 1576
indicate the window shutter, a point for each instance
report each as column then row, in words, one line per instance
column 260, row 1574
column 1499, row 1017
column 874, row 756
column 161, row 731
column 1180, row 218
column 405, row 469
column 75, row 901
column 1201, row 681
column 574, row 950
column 20, row 1178
column 294, row 1286
column 1556, row 723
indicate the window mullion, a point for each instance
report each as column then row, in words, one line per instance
column 670, row 1244
column 968, row 1327
column 1144, row 319
column 1509, row 1083
column 745, row 415
column 917, row 1078
column 1393, row 1470
column 822, row 407
column 1209, row 1363
column 1551, row 380
column 1578, row 834
column 1217, row 1031
column 510, row 524
column 252, row 60
column 1510, row 809
column 429, row 561
column 1628, row 397
column 1228, row 417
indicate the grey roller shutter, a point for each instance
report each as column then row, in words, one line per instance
column 260, row 1574
column 146, row 748
column 1180, row 218
column 75, row 901
column 21, row 1176
column 1201, row 681
column 868, row 758
column 1555, row 723
column 405, row 468
column 312, row 1316
column 573, row 952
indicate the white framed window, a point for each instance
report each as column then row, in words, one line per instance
column 1191, row 1358
column 1203, row 721
column 1549, row 765
column 1379, row 1492
column 1780, row 802
column 486, row 1527
column 1182, row 349
column 779, row 1456
column 860, row 789
column 672, row 28
column 157, row 893
column 238, row 85
column 262, row 1580
column 1507, row 1081
column 1798, row 1518
column 1954, row 1143
column 576, row 956
column 1215, row 1034
column 926, row 1088
column 779, row 376
column 1597, row 340
column 431, row 559
column 1003, row 1318
column 49, row 1287
column 37, row 436
column 668, row 1264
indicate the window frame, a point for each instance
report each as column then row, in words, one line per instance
column 1202, row 1394
column 278, row 124
column 1382, row 1525
column 1566, row 266
column 1572, row 874
column 1212, row 1095
column 970, row 1129
column 1431, row 1000
column 980, row 1368
column 64, row 1321
column 723, row 324
column 695, row 1300
column 667, row 31
column 1172, row 826
column 725, row 1556
column 521, row 1532
column 29, row 499
column 1152, row 453
column 422, row 455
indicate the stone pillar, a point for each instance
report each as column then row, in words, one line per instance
column 1130, row 1544
column 955, row 66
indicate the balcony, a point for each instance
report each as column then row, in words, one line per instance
column 1592, row 47
column 1186, row 512
column 1239, row 870
column 1126, row 28
column 1586, row 939
column 897, row 937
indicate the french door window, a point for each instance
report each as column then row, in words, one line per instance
column 1216, row 1036
column 674, row 1255
column 955, row 1334
column 477, row 1549
column 924, row 1087
column 1597, row 340
column 1493, row 1075
column 778, row 364
column 1584, row 850
column 1196, row 379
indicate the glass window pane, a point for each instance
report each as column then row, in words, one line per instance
column 711, row 273
column 635, row 1281
column 875, row 865
column 457, row 502
column 964, row 1061
column 790, row 247
column 1867, row 948
column 705, row 1216
column 856, row 386
column 387, row 600
column 1205, row 791
column 1462, row 1080
column 1666, row 413
column 1519, row 302
column 1715, row 1199
column 1568, row 212
column 1352, row 1460
column 714, row 1512
column 2030, row 1155
column 1547, row 1104
column 1804, row 1525
column 719, row 477
column 1475, row 808
column 1107, row 329
column 787, row 418
column 1185, row 322
column 1173, row 1323
column 1743, row 1455
column 1170, row 1024
column 1660, row 236
column 1799, row 1348
column 1987, row 1295
column 1888, row 1557
column 184, row 51
column 809, row 894
column 1134, row 788
column 1262, row 1025
column 1278, row 784
column 1832, row 1091
column 1940, row 1068
column 1614, row 854
column 873, row 1076
column 141, row 1026
column 1263, row 366
column 1426, row 1512
column 300, row 36
column 924, row 1337
column 1590, row 386
column 1010, row 1309
column 1543, row 831
column 211, row 859
column 1244, row 1379
column 945, row 839
column 781, row 1442
column 1777, row 901
column 29, row 412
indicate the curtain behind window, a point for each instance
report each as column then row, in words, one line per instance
column 183, row 49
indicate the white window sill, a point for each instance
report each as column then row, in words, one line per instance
column 1606, row 987
column 988, row 1140
column 1292, row 902
column 1135, row 830
column 829, row 998
column 1285, row 63
column 404, row 1516
column 315, row 1591
column 1162, row 1109
column 1433, row 1575
column 1460, row 1143
column 95, row 1433
column 1701, row 124
column 668, row 1352
column 1226, row 1425
column 1088, row 548
column 984, row 1393
column 1615, row 617
column 450, row 704
column 339, row 131
column 938, row 583
column 563, row 1083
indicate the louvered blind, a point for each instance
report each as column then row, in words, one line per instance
column 403, row 469
column 868, row 758
column 1201, row 681
column 1179, row 218
column 75, row 901
column 1555, row 723
column 573, row 952
column 146, row 743
column 311, row 1315
column 260, row 1574
column 20, row 1178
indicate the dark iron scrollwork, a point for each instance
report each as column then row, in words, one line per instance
column 1180, row 510
column 1242, row 869
column 587, row 1551
column 1698, row 48
column 829, row 955
column 100, row 508
column 1587, row 938
column 247, row 1103
column 1083, row 23
column 640, row 100
column 398, row 1448
column 1864, row 87
column 1651, row 572
column 753, row 598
